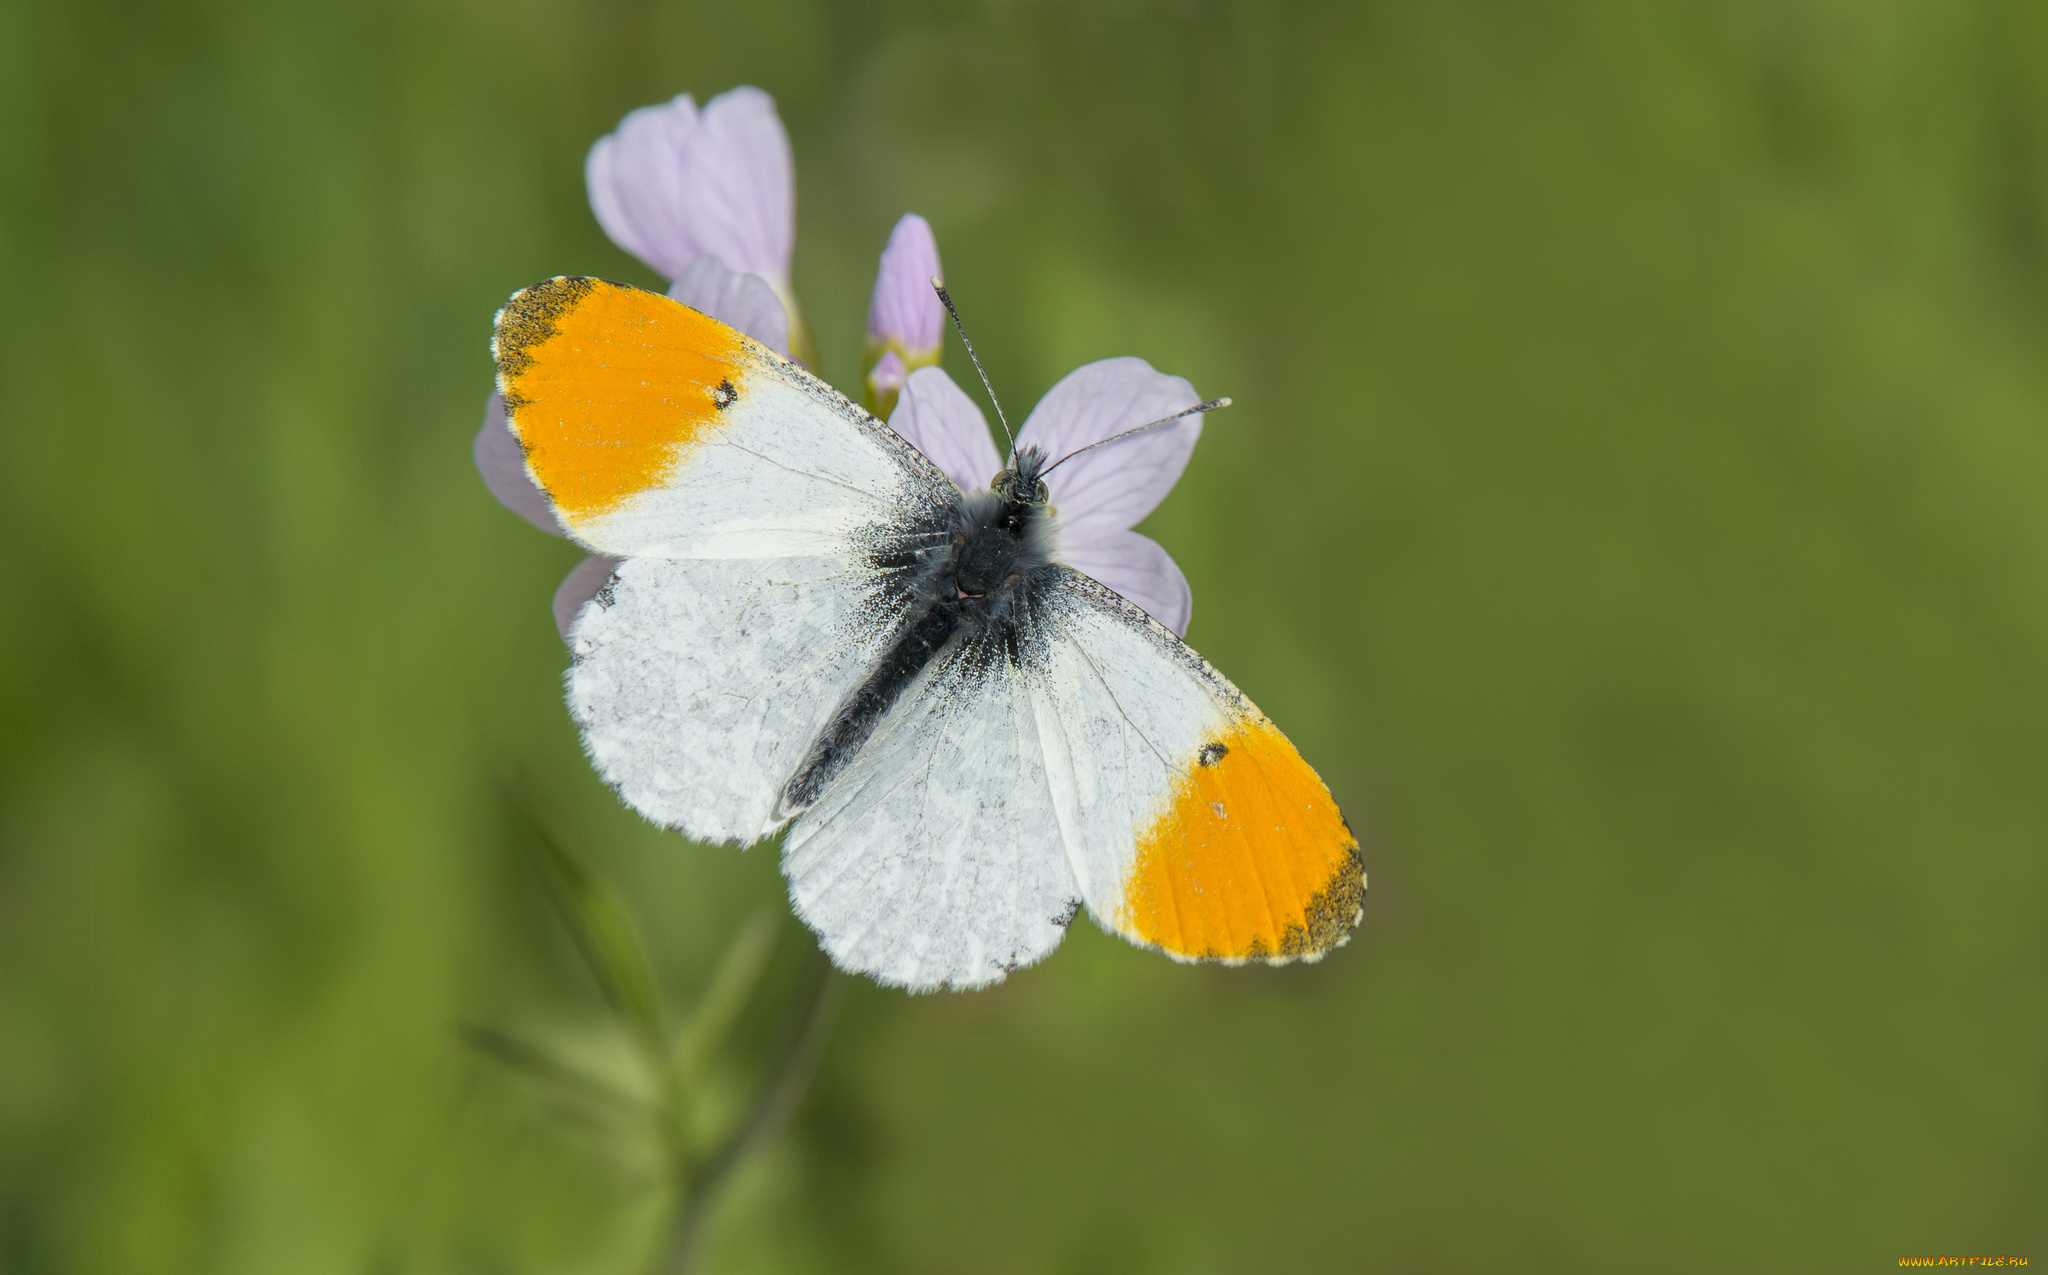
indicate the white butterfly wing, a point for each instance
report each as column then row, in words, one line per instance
column 766, row 524
column 934, row 859
column 700, row 684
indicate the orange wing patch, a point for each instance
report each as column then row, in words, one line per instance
column 602, row 382
column 1251, row 859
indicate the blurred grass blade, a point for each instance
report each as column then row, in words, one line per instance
column 543, row 1064
column 609, row 940
column 812, row 1013
column 732, row 985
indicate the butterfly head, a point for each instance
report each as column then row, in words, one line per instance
column 1021, row 486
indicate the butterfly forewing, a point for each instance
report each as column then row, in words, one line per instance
column 766, row 524
column 1191, row 823
column 660, row 432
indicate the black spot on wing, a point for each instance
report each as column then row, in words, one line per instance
column 1211, row 754
column 725, row 395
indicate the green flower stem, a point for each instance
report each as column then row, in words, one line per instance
column 611, row 944
column 812, row 1015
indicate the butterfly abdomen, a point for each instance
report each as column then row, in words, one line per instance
column 972, row 592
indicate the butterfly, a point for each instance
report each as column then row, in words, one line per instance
column 814, row 631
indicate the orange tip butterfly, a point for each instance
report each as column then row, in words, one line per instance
column 814, row 629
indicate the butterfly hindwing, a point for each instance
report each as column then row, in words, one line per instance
column 765, row 522
column 699, row 685
column 934, row 859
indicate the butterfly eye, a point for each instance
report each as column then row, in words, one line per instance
column 1040, row 495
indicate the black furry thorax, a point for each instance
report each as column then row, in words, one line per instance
column 999, row 541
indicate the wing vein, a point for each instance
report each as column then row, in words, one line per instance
column 805, row 473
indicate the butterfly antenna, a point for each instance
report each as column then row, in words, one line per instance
column 947, row 301
column 1209, row 406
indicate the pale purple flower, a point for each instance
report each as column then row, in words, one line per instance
column 942, row 422
column 905, row 319
column 1097, row 495
column 743, row 301
column 673, row 183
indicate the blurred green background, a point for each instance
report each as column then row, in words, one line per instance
column 1636, row 507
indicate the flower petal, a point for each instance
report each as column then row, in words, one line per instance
column 673, row 183
column 580, row 586
column 501, row 463
column 739, row 187
column 1137, row 568
column 904, row 313
column 635, row 175
column 947, row 427
column 743, row 301
column 1112, row 487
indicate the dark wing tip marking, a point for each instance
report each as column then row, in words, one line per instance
column 529, row 318
column 1330, row 914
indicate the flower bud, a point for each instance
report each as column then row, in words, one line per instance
column 888, row 374
column 906, row 324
